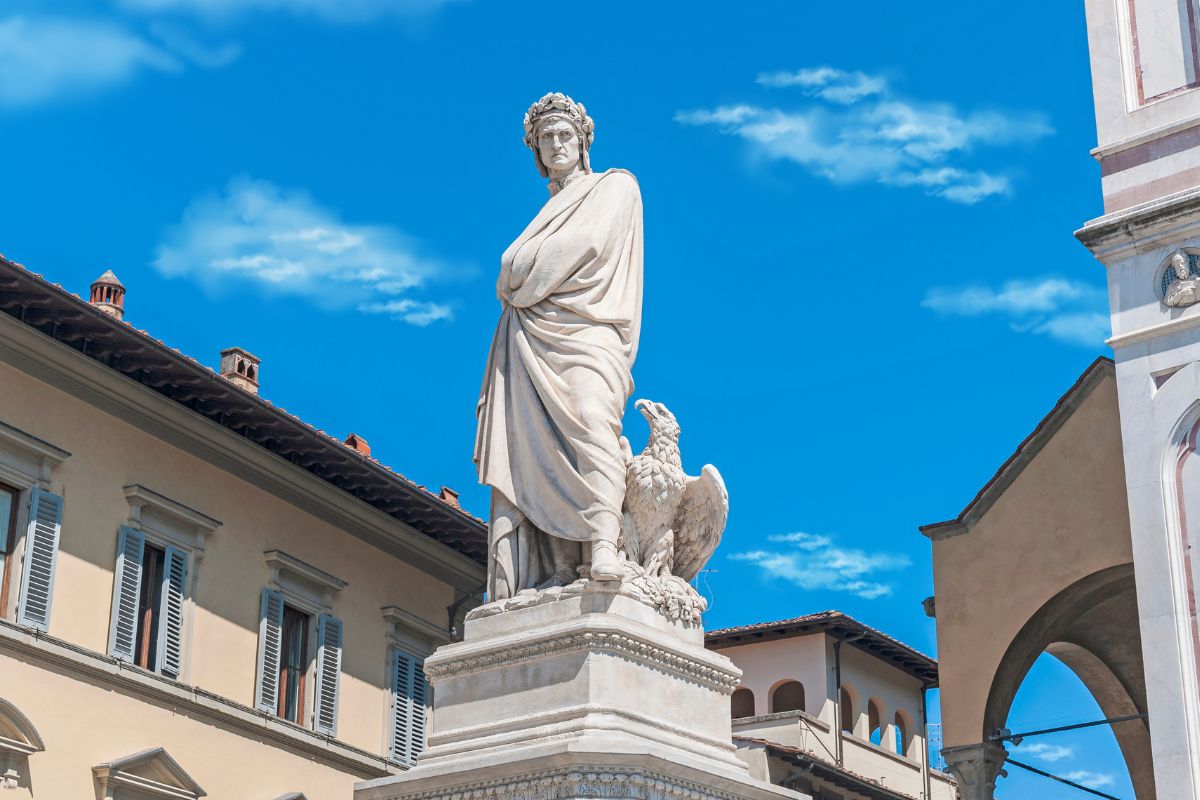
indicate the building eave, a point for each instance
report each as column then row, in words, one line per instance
column 838, row 626
column 54, row 315
column 1158, row 223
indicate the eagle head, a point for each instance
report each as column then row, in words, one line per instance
column 661, row 420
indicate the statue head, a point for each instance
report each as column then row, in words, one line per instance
column 1180, row 263
column 559, row 132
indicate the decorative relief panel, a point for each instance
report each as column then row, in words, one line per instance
column 585, row 782
column 1179, row 280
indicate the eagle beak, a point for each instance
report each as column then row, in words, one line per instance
column 646, row 407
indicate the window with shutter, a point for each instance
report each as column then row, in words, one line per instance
column 329, row 668
column 270, row 643
column 41, row 555
column 409, row 697
column 149, row 587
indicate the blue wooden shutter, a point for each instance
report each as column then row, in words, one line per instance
column 409, row 696
column 420, row 699
column 170, row 616
column 329, row 669
column 41, row 554
column 127, row 587
column 270, row 642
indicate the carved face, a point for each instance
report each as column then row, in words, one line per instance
column 558, row 147
column 1179, row 262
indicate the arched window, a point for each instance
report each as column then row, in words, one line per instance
column 874, row 722
column 902, row 733
column 788, row 696
column 742, row 703
column 846, row 710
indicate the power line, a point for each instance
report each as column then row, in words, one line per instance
column 1004, row 735
column 1072, row 784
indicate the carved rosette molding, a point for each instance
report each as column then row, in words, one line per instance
column 613, row 644
column 569, row 783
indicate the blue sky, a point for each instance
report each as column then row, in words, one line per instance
column 862, row 289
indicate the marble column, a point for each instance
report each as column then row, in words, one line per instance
column 975, row 767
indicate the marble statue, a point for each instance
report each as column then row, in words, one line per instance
column 1183, row 290
column 559, row 372
column 585, row 674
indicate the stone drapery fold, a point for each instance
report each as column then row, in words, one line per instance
column 559, row 372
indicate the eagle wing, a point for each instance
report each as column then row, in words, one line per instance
column 699, row 521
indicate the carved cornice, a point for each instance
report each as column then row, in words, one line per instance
column 567, row 783
column 613, row 644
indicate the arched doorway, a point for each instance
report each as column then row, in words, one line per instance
column 1092, row 628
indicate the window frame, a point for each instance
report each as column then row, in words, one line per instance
column 307, row 658
column 163, row 541
column 146, row 641
column 417, row 638
column 309, row 590
column 418, row 666
column 167, row 523
column 9, row 544
column 26, row 463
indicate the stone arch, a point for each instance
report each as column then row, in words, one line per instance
column 902, row 733
column 1091, row 627
column 848, row 708
column 786, row 695
column 19, row 739
column 876, row 721
column 741, row 703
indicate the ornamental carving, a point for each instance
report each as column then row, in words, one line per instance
column 580, row 782
column 613, row 644
column 1181, row 280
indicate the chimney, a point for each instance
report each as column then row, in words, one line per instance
column 108, row 295
column 449, row 496
column 357, row 443
column 240, row 367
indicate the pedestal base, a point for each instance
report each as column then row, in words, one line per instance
column 573, row 771
column 593, row 696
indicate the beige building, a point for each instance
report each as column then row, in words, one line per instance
column 1081, row 544
column 832, row 708
column 1041, row 561
column 201, row 595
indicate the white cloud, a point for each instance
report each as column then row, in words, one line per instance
column 334, row 10
column 870, row 135
column 815, row 562
column 1045, row 752
column 47, row 58
column 1087, row 329
column 180, row 41
column 1070, row 311
column 42, row 58
column 286, row 243
column 1092, row 780
column 835, row 85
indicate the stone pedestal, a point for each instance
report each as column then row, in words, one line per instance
column 591, row 695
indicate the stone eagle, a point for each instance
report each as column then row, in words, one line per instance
column 672, row 521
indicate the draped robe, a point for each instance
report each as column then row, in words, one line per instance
column 558, row 374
